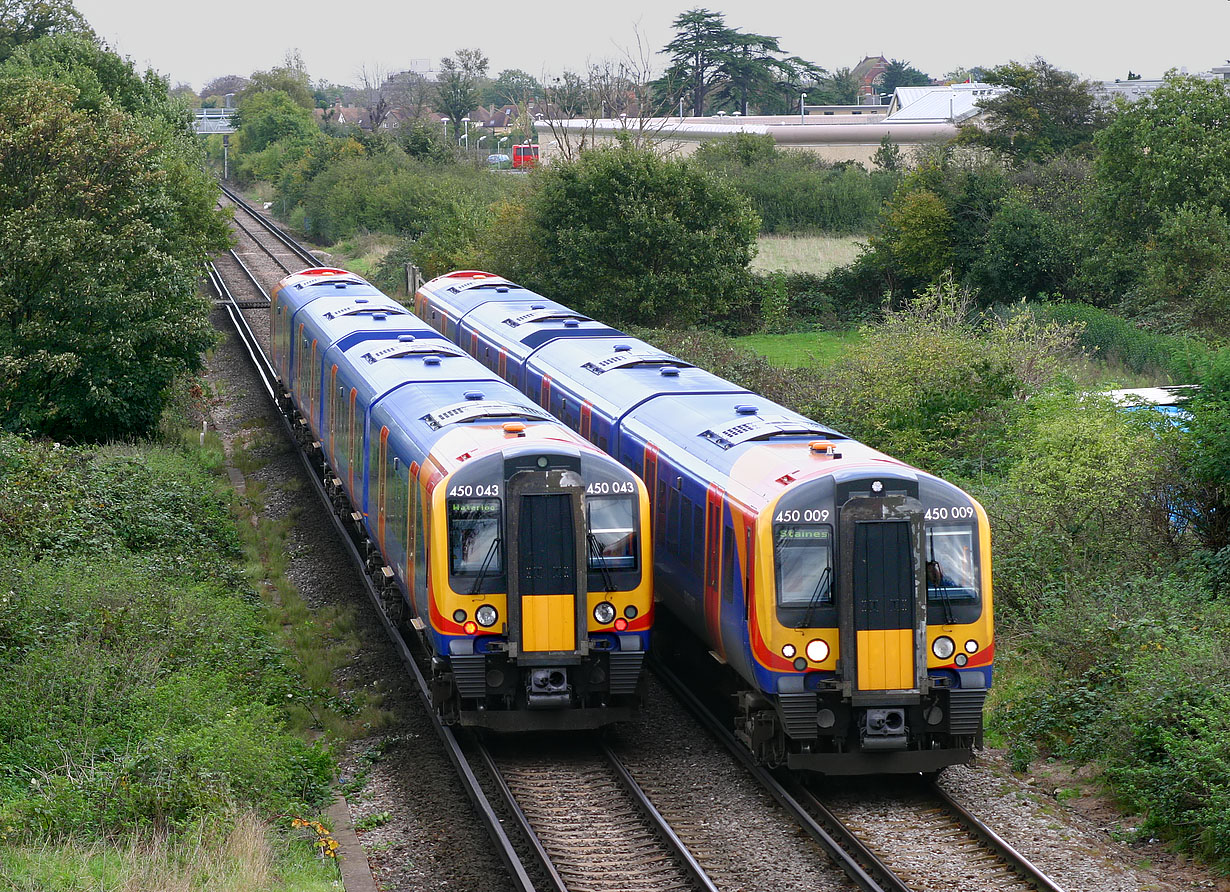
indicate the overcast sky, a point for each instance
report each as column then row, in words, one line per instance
column 1098, row 40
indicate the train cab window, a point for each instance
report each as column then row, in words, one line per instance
column 952, row 575
column 803, row 554
column 474, row 538
column 612, row 527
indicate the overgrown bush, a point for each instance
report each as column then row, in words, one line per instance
column 1132, row 677
column 1082, row 504
column 138, row 685
column 935, row 385
column 796, row 191
column 1118, row 341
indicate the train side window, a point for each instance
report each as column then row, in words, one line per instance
column 672, row 520
column 685, row 529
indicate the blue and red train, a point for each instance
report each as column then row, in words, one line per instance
column 849, row 592
column 513, row 548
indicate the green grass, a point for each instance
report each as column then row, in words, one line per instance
column 801, row 349
column 250, row 856
column 816, row 254
column 362, row 253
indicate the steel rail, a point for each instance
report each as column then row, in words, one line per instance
column 843, row 858
column 290, row 243
column 664, row 829
column 1018, row 862
column 456, row 756
column 523, row 822
column 250, row 234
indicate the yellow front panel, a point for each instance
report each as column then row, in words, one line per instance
column 886, row 660
column 548, row 623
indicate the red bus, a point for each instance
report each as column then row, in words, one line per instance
column 525, row 156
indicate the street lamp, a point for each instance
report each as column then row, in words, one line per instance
column 479, row 145
column 500, row 142
column 680, row 106
column 623, row 120
column 802, row 96
column 466, row 121
column 444, row 123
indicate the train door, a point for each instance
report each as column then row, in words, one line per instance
column 714, row 502
column 332, row 413
column 883, row 615
column 651, row 481
column 382, row 488
column 352, row 447
column 414, row 537
column 547, row 578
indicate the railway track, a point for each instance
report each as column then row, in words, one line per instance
column 580, row 821
column 589, row 822
column 920, row 841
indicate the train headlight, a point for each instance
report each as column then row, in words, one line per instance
column 961, row 659
column 817, row 650
column 788, row 651
column 943, row 647
column 604, row 613
column 971, row 646
column 486, row 616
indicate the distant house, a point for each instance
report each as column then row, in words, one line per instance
column 340, row 114
column 868, row 72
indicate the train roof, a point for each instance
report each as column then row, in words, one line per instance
column 1161, row 397
column 461, row 291
column 618, row 373
column 521, row 326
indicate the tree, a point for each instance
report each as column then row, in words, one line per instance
column 1044, row 113
column 218, row 88
column 839, row 88
column 269, row 117
column 291, row 78
column 973, row 74
column 24, row 21
column 698, row 53
column 901, row 74
column 1163, row 201
column 457, row 86
column 376, row 93
column 107, row 222
column 1170, row 148
column 511, row 86
column 634, row 238
column 101, row 78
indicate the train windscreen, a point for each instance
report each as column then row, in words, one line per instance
column 952, row 574
column 803, row 553
column 474, row 537
column 612, row 524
